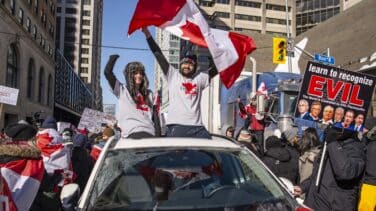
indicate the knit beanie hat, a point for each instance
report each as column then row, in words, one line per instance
column 49, row 122
column 79, row 140
column 290, row 134
column 108, row 132
column 20, row 131
column 189, row 59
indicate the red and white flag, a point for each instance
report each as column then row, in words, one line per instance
column 56, row 156
column 183, row 19
column 20, row 183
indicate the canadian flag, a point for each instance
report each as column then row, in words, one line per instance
column 20, row 181
column 183, row 19
column 56, row 156
column 262, row 89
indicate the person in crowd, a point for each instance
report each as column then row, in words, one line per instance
column 341, row 173
column 21, row 167
column 314, row 112
column 230, row 132
column 278, row 159
column 97, row 148
column 358, row 123
column 256, row 126
column 135, row 99
column 367, row 196
column 81, row 161
column 2, row 134
column 245, row 138
column 290, row 139
column 339, row 113
column 327, row 115
column 67, row 135
column 56, row 155
column 185, row 91
column 347, row 122
column 303, row 107
column 309, row 148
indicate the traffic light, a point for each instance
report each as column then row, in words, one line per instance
column 279, row 50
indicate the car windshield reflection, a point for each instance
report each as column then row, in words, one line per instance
column 181, row 179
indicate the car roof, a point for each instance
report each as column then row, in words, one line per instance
column 166, row 142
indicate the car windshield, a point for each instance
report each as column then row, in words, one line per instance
column 185, row 179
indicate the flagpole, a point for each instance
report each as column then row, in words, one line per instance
column 253, row 60
column 288, row 35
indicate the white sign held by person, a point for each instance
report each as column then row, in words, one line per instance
column 8, row 95
column 93, row 120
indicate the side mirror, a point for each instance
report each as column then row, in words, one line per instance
column 69, row 196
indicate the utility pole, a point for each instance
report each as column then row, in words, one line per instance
column 288, row 35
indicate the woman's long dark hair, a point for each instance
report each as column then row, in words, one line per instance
column 129, row 72
column 310, row 139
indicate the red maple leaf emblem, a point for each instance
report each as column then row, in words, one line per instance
column 193, row 32
column 190, row 89
column 141, row 105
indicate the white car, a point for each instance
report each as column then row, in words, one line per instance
column 179, row 174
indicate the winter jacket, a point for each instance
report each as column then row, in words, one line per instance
column 340, row 178
column 306, row 163
column 82, row 166
column 293, row 163
column 278, row 159
column 368, row 192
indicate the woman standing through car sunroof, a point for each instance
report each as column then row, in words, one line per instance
column 135, row 100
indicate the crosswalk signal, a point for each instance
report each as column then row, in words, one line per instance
column 279, row 50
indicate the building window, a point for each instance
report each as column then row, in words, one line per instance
column 87, row 2
column 85, row 61
column 28, row 24
column 206, row 3
column 20, row 16
column 85, row 41
column 12, row 72
column 277, row 21
column 87, row 13
column 84, row 79
column 86, row 22
column 84, row 70
column 71, row 10
column 12, row 5
column 36, row 6
column 248, row 4
column 34, row 32
column 277, row 7
column 50, row 91
column 223, row 1
column 30, row 79
column 248, row 17
column 222, row 14
column 85, row 31
column 41, row 86
column 85, row 50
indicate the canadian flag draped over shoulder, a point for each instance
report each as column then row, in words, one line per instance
column 56, row 156
column 20, row 183
column 183, row 19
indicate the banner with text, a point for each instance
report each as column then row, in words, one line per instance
column 8, row 95
column 93, row 120
column 331, row 95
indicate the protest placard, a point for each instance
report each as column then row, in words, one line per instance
column 331, row 95
column 8, row 95
column 93, row 120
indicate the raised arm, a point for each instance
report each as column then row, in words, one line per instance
column 212, row 68
column 108, row 71
column 162, row 61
